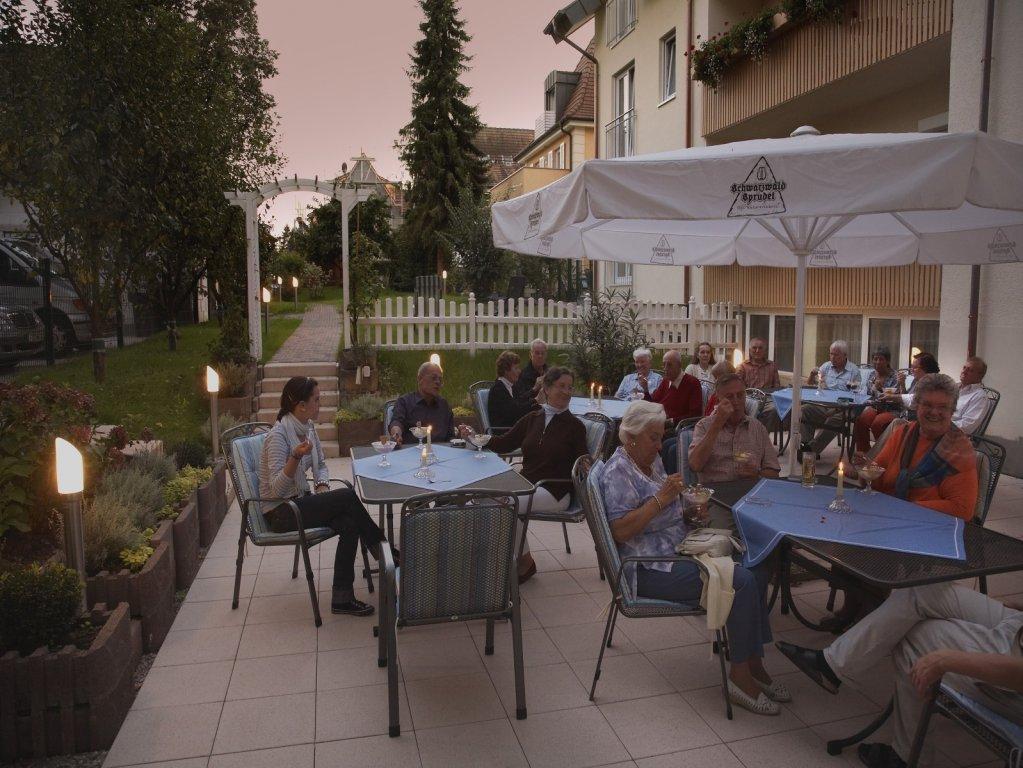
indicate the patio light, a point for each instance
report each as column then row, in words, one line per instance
column 266, row 313
column 444, row 283
column 736, row 358
column 70, row 484
column 435, row 359
column 294, row 284
column 280, row 280
column 213, row 387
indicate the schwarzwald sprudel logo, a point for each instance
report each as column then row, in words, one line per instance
column 1001, row 249
column 662, row 253
column 759, row 194
column 534, row 219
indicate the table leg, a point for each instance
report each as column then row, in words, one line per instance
column 835, row 746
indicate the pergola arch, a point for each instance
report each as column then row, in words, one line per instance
column 249, row 201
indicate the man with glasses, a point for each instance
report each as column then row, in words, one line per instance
column 837, row 373
column 425, row 407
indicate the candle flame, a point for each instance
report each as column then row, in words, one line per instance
column 736, row 358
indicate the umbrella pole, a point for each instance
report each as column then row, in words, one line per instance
column 797, row 363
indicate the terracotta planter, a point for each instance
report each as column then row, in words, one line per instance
column 362, row 432
column 186, row 545
column 70, row 701
column 350, row 365
column 239, row 407
column 149, row 593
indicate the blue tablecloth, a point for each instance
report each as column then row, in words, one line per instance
column 455, row 468
column 776, row 508
column 783, row 398
column 613, row 409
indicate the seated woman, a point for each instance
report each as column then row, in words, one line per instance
column 702, row 365
column 646, row 518
column 551, row 440
column 874, row 419
column 290, row 449
column 503, row 408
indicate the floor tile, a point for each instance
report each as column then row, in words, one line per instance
column 689, row 667
column 565, row 609
column 623, row 677
column 491, row 743
column 813, row 705
column 550, row 584
column 662, row 632
column 537, row 650
column 348, row 668
column 277, row 639
column 571, row 738
column 347, row 713
column 188, row 762
column 590, row 581
column 297, row 607
column 225, row 566
column 216, row 613
column 184, row 684
column 718, row 756
column 425, row 658
column 582, row 641
column 784, row 750
column 548, row 688
column 281, row 583
column 300, row 756
column 658, row 724
column 195, row 646
column 744, row 725
column 276, row 721
column 273, row 676
column 579, row 557
column 338, row 635
column 151, row 735
column 218, row 588
column 370, row 752
column 444, row 701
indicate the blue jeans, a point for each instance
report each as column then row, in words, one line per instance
column 749, row 626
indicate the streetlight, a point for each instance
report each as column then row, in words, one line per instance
column 294, row 284
column 213, row 387
column 444, row 283
column 266, row 315
column 70, row 484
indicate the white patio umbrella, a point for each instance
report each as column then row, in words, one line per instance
column 852, row 200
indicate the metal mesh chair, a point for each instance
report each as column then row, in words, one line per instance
column 457, row 564
column 243, row 447
column 684, row 435
column 389, row 414
column 708, row 389
column 990, row 458
column 623, row 600
column 997, row 733
column 993, row 397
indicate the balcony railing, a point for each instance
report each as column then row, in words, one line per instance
column 620, row 136
column 543, row 124
column 810, row 56
column 619, row 19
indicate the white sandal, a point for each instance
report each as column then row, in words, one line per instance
column 759, row 706
column 776, row 691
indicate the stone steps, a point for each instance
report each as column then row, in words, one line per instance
column 272, row 400
column 276, row 375
column 287, row 370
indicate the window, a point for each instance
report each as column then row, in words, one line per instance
column 784, row 341
column 760, row 328
column 668, row 66
column 831, row 327
column 620, row 133
column 622, row 274
column 923, row 334
column 619, row 19
column 557, row 157
column 884, row 332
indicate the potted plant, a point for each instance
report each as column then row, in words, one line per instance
column 354, row 362
column 359, row 422
column 237, row 388
column 465, row 415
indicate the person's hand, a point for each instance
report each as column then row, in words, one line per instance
column 395, row 432
column 302, row 449
column 929, row 668
column 812, row 378
column 891, row 397
column 464, row 430
column 321, row 488
column 723, row 411
column 537, row 385
column 901, row 376
column 641, row 379
column 670, row 489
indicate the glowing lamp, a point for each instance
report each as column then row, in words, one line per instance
column 70, row 469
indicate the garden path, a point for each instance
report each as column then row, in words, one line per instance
column 316, row 339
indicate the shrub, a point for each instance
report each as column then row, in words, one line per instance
column 232, row 345
column 38, row 607
column 234, row 379
column 190, row 453
column 159, row 467
column 225, row 421
column 463, row 412
column 361, row 407
column 108, row 530
column 603, row 340
column 197, row 475
column 136, row 491
column 312, row 279
column 135, row 558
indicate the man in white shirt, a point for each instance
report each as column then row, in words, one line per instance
column 837, row 373
column 630, row 387
column 972, row 405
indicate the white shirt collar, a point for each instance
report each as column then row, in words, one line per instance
column 507, row 384
column 966, row 388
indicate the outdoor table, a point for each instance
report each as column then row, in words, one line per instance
column 987, row 553
column 849, row 402
column 608, row 406
column 386, row 494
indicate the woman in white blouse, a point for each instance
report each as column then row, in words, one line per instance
column 291, row 449
column 703, row 363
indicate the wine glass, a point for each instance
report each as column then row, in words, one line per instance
column 870, row 472
column 384, row 446
column 696, row 498
column 419, row 432
column 479, row 439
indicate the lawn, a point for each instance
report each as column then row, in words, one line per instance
column 148, row 386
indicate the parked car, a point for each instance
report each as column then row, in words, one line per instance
column 21, row 334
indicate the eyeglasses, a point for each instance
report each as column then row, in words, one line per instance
column 925, row 406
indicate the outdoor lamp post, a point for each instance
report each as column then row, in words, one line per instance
column 444, row 283
column 294, row 284
column 280, row 288
column 213, row 387
column 70, row 484
column 435, row 359
column 266, row 312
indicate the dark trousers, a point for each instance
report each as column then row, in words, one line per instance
column 341, row 511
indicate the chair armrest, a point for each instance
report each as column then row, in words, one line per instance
column 300, row 527
column 655, row 559
column 341, row 480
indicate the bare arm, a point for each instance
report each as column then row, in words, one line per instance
column 634, row 522
column 998, row 669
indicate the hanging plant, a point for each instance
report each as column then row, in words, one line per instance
column 819, row 11
column 751, row 35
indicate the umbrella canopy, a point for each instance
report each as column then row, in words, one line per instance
column 851, row 200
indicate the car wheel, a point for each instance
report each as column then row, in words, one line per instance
column 64, row 341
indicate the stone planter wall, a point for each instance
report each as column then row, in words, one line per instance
column 186, row 544
column 149, row 593
column 206, row 505
column 71, row 700
column 220, row 483
column 361, row 432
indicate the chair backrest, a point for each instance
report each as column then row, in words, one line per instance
column 752, row 406
column 389, row 413
column 228, row 436
column 708, row 390
column 479, row 395
column 596, row 519
column 993, row 397
column 990, row 458
column 456, row 556
column 243, row 462
column 599, row 434
column 875, row 449
column 685, row 439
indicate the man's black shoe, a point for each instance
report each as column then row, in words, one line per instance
column 353, row 608
column 812, row 664
column 878, row 755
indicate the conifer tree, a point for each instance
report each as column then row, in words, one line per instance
column 436, row 145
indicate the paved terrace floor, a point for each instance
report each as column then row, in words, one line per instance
column 261, row 686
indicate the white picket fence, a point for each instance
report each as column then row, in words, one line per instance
column 429, row 324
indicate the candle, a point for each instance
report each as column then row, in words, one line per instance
column 600, row 395
column 423, row 457
column 592, row 385
column 841, row 478
column 429, row 433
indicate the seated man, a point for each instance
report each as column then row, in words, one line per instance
column 425, row 406
column 678, row 392
column 936, row 632
column 836, row 373
column 530, row 381
column 757, row 372
column 972, row 405
column 503, row 409
column 721, row 368
column 630, row 386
